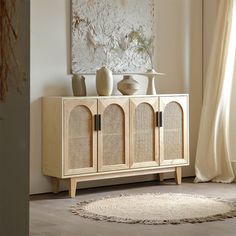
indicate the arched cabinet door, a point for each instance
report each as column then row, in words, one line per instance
column 144, row 144
column 113, row 134
column 80, row 137
column 173, row 122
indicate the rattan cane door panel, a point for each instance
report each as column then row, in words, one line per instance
column 174, row 130
column 143, row 132
column 113, row 138
column 80, row 138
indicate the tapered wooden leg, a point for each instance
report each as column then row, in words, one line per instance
column 161, row 177
column 178, row 175
column 72, row 187
column 55, row 185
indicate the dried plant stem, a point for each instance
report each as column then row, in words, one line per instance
column 10, row 71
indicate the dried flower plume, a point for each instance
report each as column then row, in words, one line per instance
column 9, row 66
column 143, row 45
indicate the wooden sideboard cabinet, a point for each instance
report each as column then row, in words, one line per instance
column 91, row 138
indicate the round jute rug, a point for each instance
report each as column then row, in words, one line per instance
column 156, row 209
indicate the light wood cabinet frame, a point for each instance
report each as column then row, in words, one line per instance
column 56, row 115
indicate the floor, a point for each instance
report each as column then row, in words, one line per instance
column 50, row 214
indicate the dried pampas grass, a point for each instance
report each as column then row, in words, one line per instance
column 10, row 70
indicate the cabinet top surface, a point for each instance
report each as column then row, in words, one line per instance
column 117, row 96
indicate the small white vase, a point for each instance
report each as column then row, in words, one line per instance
column 104, row 81
column 128, row 86
column 78, row 85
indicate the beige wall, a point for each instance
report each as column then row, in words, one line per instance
column 179, row 48
column 210, row 8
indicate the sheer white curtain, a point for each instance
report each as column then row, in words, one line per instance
column 213, row 161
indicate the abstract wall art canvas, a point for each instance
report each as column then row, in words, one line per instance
column 118, row 34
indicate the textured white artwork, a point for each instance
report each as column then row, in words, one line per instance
column 117, row 34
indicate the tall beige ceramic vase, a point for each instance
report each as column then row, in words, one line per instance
column 104, row 81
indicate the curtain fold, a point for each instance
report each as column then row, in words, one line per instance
column 213, row 161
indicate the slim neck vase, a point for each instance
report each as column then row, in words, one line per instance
column 151, row 90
